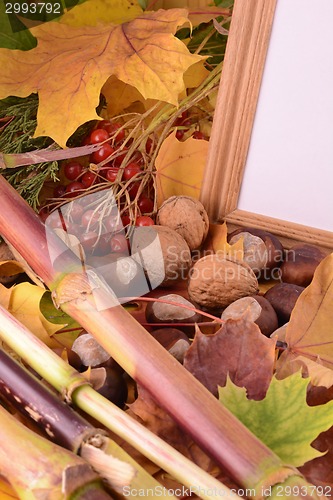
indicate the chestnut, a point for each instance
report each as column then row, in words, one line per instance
column 160, row 312
column 283, row 297
column 256, row 309
column 86, row 351
column 114, row 387
column 300, row 264
column 264, row 261
column 173, row 340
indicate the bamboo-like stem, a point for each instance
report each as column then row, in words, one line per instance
column 62, row 425
column 212, row 426
column 32, row 463
column 33, row 400
column 65, row 379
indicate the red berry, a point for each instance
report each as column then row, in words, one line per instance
column 88, row 240
column 180, row 120
column 146, row 205
column 98, row 135
column 113, row 223
column 89, row 218
column 103, row 245
column 186, row 123
column 119, row 159
column 119, row 244
column 131, row 170
column 73, row 170
column 74, row 188
column 112, row 173
column 180, row 134
column 74, row 212
column 125, row 219
column 88, row 179
column 86, row 141
column 59, row 191
column 43, row 213
column 133, row 189
column 102, row 154
column 144, row 220
column 198, row 135
column 56, row 221
column 111, row 128
column 74, row 229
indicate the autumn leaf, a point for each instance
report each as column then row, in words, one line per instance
column 24, row 306
column 309, row 333
column 282, row 420
column 160, row 423
column 205, row 14
column 70, row 65
column 6, row 491
column 217, row 241
column 239, row 349
column 94, row 12
column 180, row 167
column 5, row 294
column 120, row 95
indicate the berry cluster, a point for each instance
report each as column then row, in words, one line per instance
column 105, row 166
column 114, row 165
column 184, row 124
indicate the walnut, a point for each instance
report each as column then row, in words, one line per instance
column 187, row 216
column 216, row 281
column 163, row 253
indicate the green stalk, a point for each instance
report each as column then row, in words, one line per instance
column 60, row 423
column 34, row 466
column 74, row 386
column 247, row 460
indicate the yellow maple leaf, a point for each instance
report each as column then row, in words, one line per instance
column 120, row 95
column 180, row 167
column 70, row 65
column 5, row 294
column 217, row 241
column 93, row 12
column 309, row 333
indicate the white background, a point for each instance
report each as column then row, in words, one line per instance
column 289, row 170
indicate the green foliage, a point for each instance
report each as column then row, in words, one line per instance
column 282, row 420
column 13, row 34
column 225, row 4
column 16, row 137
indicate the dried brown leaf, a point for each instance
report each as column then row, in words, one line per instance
column 239, row 349
column 160, row 423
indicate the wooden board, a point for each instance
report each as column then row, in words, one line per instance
column 248, row 58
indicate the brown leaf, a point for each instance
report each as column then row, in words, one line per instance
column 319, row 471
column 239, row 349
column 160, row 423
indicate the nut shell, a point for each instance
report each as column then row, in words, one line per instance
column 163, row 254
column 159, row 312
column 187, row 216
column 215, row 282
column 300, row 264
column 274, row 250
column 283, row 297
column 256, row 309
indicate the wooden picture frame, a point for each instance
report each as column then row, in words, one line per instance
column 232, row 127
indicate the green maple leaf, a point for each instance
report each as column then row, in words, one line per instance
column 282, row 420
